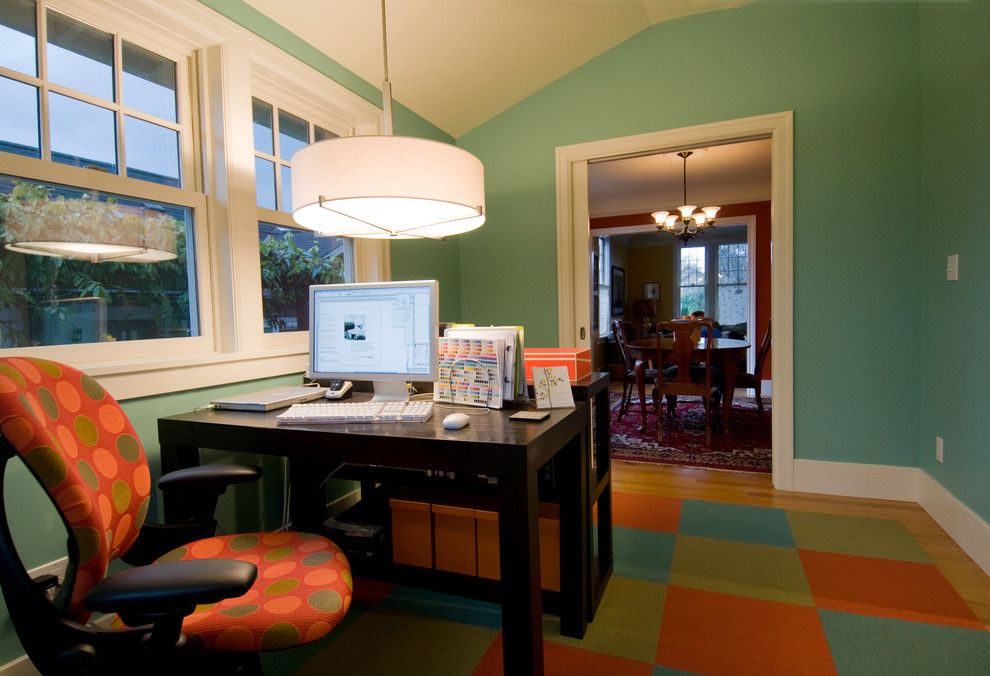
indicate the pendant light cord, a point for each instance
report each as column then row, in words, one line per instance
column 386, row 85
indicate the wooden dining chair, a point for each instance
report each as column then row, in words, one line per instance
column 685, row 374
column 755, row 379
column 619, row 332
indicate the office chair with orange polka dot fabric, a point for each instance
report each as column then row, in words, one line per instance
column 217, row 600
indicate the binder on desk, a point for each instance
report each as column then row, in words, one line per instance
column 514, row 372
column 471, row 371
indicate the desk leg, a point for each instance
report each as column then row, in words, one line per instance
column 575, row 531
column 519, row 545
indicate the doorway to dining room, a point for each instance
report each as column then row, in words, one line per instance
column 718, row 273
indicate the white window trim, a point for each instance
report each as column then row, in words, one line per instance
column 227, row 57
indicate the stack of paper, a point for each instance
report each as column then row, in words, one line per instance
column 471, row 371
column 513, row 374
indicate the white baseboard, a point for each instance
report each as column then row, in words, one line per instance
column 883, row 482
column 888, row 482
column 963, row 525
column 22, row 666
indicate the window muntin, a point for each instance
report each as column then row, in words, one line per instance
column 65, row 109
column 292, row 258
column 693, row 279
column 601, row 287
column 733, row 283
column 78, row 81
column 185, row 33
column 278, row 134
column 724, row 296
column 49, row 300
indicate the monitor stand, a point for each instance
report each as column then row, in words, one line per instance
column 390, row 390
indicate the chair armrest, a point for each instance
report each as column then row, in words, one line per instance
column 209, row 477
column 170, row 587
column 195, row 490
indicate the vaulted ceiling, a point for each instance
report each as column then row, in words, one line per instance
column 458, row 63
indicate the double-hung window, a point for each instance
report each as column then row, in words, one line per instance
column 292, row 258
column 714, row 278
column 96, row 175
column 145, row 193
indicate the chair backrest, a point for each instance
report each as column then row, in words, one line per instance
column 619, row 333
column 761, row 356
column 682, row 355
column 76, row 440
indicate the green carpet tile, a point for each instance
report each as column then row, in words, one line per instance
column 698, row 588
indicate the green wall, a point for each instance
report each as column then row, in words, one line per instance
column 850, row 73
column 955, row 62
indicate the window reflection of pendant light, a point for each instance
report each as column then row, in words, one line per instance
column 89, row 229
column 689, row 223
column 387, row 187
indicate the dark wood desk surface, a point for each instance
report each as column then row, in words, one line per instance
column 491, row 444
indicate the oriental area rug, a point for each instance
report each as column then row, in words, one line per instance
column 746, row 449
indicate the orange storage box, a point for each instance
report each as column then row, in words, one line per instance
column 577, row 361
column 454, row 539
column 488, row 549
column 412, row 533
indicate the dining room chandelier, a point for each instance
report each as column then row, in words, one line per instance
column 385, row 186
column 688, row 223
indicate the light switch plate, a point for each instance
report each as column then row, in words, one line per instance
column 952, row 268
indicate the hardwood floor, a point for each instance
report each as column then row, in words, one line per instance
column 972, row 584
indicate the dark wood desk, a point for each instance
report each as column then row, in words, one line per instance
column 492, row 445
column 726, row 353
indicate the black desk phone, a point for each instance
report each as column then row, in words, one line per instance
column 339, row 389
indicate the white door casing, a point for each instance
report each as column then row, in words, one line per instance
column 573, row 246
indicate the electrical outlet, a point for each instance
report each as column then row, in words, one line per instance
column 939, row 455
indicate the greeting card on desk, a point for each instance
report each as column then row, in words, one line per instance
column 470, row 371
column 553, row 387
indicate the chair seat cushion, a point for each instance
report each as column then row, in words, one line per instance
column 302, row 591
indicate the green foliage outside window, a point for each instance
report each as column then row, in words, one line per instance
column 287, row 270
column 143, row 300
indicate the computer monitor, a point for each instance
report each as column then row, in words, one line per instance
column 385, row 332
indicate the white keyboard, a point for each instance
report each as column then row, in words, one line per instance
column 356, row 412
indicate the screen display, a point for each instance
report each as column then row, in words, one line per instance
column 376, row 331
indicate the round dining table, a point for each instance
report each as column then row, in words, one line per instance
column 726, row 354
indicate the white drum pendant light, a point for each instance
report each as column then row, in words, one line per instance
column 387, row 187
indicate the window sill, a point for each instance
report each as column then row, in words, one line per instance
column 149, row 377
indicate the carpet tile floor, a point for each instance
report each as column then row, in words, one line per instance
column 698, row 588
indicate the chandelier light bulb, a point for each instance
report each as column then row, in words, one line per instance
column 660, row 216
column 670, row 221
column 710, row 212
column 686, row 210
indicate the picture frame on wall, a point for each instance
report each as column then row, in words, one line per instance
column 651, row 290
column 618, row 290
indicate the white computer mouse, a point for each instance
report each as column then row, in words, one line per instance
column 456, row 421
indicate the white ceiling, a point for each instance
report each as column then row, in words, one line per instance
column 458, row 63
column 725, row 174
